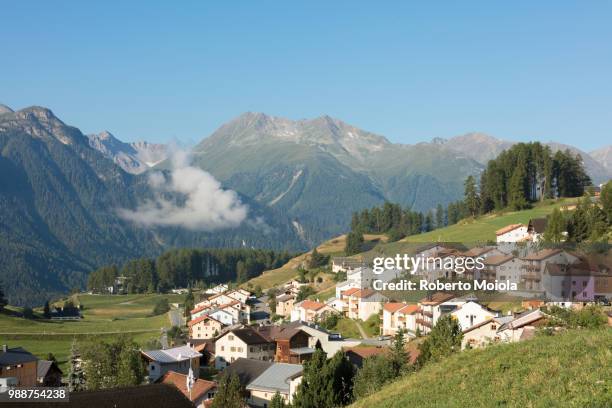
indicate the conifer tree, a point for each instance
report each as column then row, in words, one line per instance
column 555, row 227
column 229, row 393
column 277, row 401
column 471, row 196
column 76, row 377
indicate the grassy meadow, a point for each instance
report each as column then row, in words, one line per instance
column 103, row 316
column 570, row 369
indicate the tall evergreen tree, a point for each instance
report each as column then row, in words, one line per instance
column 354, row 241
column 398, row 356
column 229, row 393
column 277, row 401
column 555, row 227
column 605, row 198
column 443, row 340
column 76, row 377
column 471, row 198
column 314, row 391
column 439, row 216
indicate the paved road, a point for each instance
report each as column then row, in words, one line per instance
column 176, row 317
column 260, row 311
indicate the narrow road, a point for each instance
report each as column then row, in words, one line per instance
column 176, row 318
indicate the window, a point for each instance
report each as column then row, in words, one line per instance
column 230, row 337
column 493, row 327
column 222, row 348
column 251, row 349
column 584, row 284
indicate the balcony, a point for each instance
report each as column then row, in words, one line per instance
column 425, row 323
column 531, row 276
column 427, row 313
column 531, row 267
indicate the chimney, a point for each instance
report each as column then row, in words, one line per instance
column 4, row 348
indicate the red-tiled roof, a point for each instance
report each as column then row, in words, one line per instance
column 201, row 319
column 365, row 352
column 363, row 293
column 543, row 254
column 349, row 292
column 311, row 305
column 437, row 298
column 497, row 259
column 393, row 307
column 409, row 309
column 508, row 228
column 198, row 390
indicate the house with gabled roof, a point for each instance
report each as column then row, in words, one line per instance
column 19, row 364
column 399, row 316
column 282, row 378
column 310, row 311
column 534, row 264
column 205, row 327
column 200, row 392
column 522, row 326
column 472, row 313
column 48, row 374
column 432, row 307
column 244, row 342
column 363, row 303
column 503, row 268
column 178, row 359
column 284, row 305
column 511, row 233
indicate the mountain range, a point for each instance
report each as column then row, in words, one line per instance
column 59, row 211
column 61, row 191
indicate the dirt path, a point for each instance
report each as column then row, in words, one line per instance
column 361, row 331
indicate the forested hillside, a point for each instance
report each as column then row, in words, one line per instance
column 180, row 268
column 58, row 211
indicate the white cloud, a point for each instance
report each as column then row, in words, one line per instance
column 202, row 205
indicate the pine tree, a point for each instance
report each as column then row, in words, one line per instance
column 471, row 196
column 277, row 401
column 76, row 378
column 398, row 356
column 443, row 340
column 314, row 391
column 229, row 393
column 439, row 216
column 516, row 189
column 605, row 198
column 555, row 227
column 354, row 241
column 340, row 374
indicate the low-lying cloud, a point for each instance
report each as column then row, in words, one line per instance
column 188, row 197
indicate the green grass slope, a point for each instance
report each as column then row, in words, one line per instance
column 104, row 316
column 572, row 369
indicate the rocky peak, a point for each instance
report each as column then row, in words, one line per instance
column 5, row 109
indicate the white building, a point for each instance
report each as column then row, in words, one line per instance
column 471, row 313
column 398, row 316
column 512, row 233
column 242, row 343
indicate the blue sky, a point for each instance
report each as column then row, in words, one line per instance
column 520, row 70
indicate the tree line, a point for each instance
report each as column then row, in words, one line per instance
column 179, row 268
column 589, row 222
column 398, row 222
column 523, row 174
